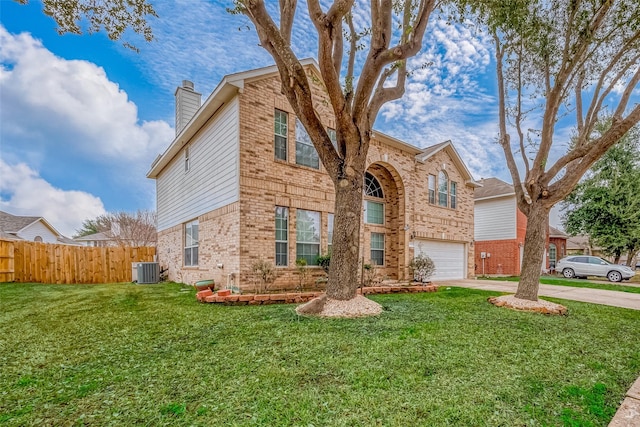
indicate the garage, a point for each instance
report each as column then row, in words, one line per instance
column 449, row 258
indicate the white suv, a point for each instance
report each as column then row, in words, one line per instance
column 583, row 266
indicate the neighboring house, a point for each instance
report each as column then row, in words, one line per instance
column 31, row 228
column 101, row 239
column 500, row 229
column 242, row 182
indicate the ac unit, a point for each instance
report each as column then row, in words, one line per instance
column 148, row 272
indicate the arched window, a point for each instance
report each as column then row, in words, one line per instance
column 374, row 210
column 372, row 187
column 37, row 239
column 443, row 188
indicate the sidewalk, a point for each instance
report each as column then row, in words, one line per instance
column 628, row 414
column 595, row 296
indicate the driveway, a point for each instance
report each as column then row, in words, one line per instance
column 595, row 296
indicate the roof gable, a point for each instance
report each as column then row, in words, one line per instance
column 449, row 148
column 13, row 224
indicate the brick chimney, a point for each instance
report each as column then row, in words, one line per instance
column 187, row 103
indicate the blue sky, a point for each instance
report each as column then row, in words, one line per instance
column 82, row 117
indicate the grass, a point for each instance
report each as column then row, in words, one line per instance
column 576, row 283
column 123, row 354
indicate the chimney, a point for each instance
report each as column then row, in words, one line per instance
column 187, row 103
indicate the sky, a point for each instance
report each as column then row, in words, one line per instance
column 83, row 117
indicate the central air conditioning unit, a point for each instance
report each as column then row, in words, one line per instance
column 148, row 272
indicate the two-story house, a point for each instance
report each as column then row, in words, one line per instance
column 242, row 182
column 500, row 229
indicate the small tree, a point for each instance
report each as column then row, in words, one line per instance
column 124, row 228
column 422, row 268
column 303, row 272
column 264, row 274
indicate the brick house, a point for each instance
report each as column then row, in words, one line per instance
column 242, row 182
column 499, row 232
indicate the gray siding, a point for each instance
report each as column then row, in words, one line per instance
column 187, row 104
column 495, row 219
column 38, row 229
column 213, row 177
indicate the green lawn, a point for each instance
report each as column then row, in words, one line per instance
column 150, row 355
column 576, row 283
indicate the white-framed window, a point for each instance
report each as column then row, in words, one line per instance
column 333, row 137
column 281, row 129
column 308, row 236
column 443, row 189
column 377, row 248
column 432, row 189
column 452, row 195
column 330, row 218
column 191, row 244
column 37, row 239
column 187, row 163
column 282, row 236
column 306, row 153
column 373, row 210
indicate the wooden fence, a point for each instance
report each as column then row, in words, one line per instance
column 22, row 261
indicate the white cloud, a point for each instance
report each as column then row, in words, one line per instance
column 54, row 99
column 24, row 192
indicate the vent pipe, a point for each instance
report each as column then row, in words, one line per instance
column 187, row 104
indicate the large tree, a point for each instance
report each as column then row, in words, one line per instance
column 356, row 90
column 559, row 63
column 606, row 204
column 125, row 228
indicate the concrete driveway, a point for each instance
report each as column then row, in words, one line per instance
column 595, row 296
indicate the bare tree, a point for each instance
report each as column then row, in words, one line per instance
column 125, row 228
column 559, row 61
column 394, row 33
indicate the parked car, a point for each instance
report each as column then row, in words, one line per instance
column 583, row 266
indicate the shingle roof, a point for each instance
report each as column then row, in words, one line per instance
column 554, row 232
column 493, row 187
column 12, row 223
column 93, row 237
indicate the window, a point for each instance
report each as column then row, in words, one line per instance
column 377, row 248
column 186, row 159
column 37, row 239
column 191, row 244
column 306, row 153
column 333, row 137
column 280, row 131
column 329, row 232
column 372, row 187
column 282, row 236
column 443, row 184
column 308, row 236
column 552, row 255
column 374, row 212
column 432, row 189
column 452, row 195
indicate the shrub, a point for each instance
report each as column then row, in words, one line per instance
column 324, row 261
column 301, row 265
column 264, row 273
column 422, row 267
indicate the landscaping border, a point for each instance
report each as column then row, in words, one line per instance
column 227, row 298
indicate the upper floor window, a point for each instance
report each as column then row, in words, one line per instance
column 282, row 235
column 373, row 210
column 443, row 186
column 281, row 129
column 37, row 239
column 333, row 137
column 432, row 189
column 306, row 153
column 452, row 195
column 186, row 159
column 308, row 236
column 191, row 244
column 330, row 218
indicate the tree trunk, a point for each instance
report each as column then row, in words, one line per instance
column 343, row 269
column 534, row 247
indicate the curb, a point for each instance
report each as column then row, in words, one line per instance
column 628, row 414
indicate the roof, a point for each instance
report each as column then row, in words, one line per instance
column 493, row 188
column 581, row 241
column 453, row 153
column 556, row 233
column 13, row 224
column 101, row 236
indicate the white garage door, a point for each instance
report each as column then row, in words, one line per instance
column 448, row 257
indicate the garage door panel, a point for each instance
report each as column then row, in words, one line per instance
column 448, row 257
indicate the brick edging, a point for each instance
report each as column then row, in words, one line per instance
column 628, row 414
column 227, row 298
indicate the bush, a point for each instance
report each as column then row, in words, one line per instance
column 324, row 261
column 422, row 268
column 265, row 274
